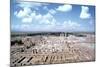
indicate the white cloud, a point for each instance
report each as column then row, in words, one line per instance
column 71, row 25
column 67, row 26
column 64, row 8
column 23, row 13
column 27, row 20
column 29, row 4
column 62, row 26
column 48, row 16
column 46, row 19
column 27, row 15
column 38, row 17
column 45, row 22
column 84, row 13
column 52, row 11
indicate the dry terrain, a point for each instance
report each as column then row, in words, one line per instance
column 51, row 49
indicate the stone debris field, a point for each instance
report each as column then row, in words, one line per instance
column 51, row 49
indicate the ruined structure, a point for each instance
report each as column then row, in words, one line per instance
column 51, row 48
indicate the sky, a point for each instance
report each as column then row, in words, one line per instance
column 55, row 17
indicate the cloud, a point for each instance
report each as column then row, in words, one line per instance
column 67, row 25
column 45, row 19
column 64, row 26
column 23, row 13
column 28, row 19
column 30, row 16
column 35, row 21
column 70, row 25
column 22, row 27
column 43, row 22
column 52, row 11
column 64, row 8
column 85, row 13
column 31, row 5
column 38, row 18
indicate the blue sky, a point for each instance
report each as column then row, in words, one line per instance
column 36, row 16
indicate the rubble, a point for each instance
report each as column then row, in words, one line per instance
column 41, row 49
